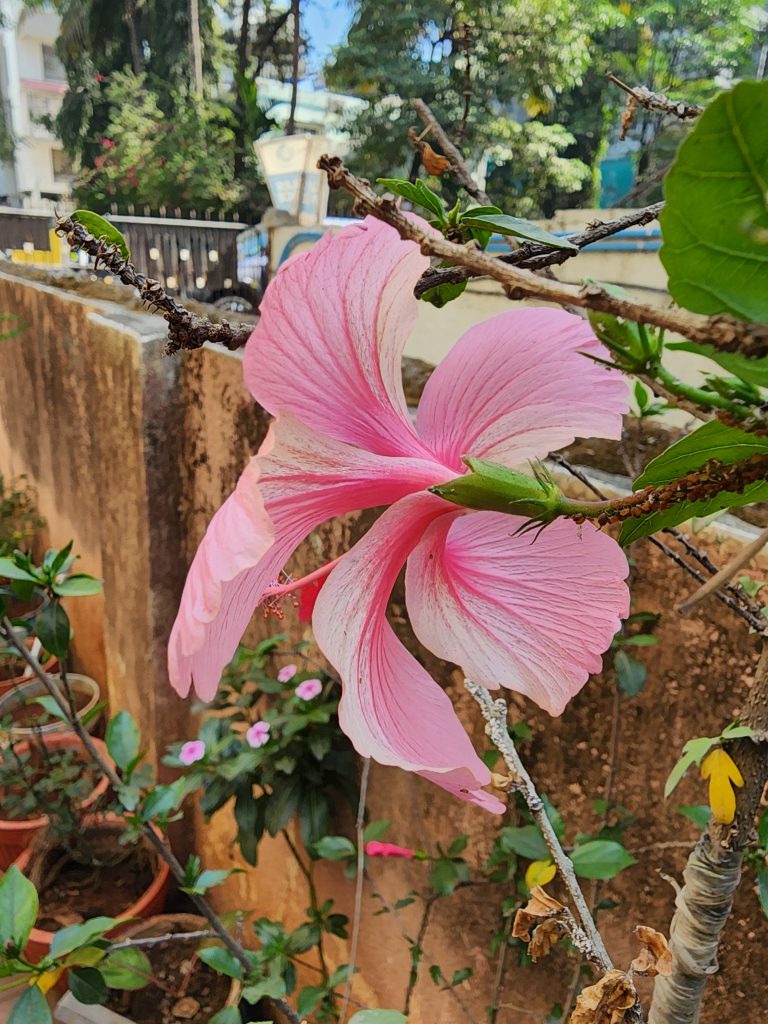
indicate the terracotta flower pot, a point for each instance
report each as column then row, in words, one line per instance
column 151, row 901
column 26, row 674
column 86, row 691
column 15, row 836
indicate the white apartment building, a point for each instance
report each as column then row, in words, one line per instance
column 32, row 85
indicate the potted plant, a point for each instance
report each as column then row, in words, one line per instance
column 34, row 774
column 26, row 709
column 14, row 670
column 166, row 983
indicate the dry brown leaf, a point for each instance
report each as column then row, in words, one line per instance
column 539, row 907
column 504, row 782
column 656, row 957
column 545, row 937
column 433, row 162
column 605, row 1002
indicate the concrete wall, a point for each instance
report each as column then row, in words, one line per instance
column 132, row 453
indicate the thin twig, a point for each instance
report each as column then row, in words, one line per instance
column 451, row 153
column 413, row 977
column 538, row 255
column 157, row 939
column 657, row 101
column 724, row 332
column 730, row 569
column 498, row 980
column 359, row 883
column 495, row 714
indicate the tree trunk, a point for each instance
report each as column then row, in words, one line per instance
column 713, row 873
column 195, row 46
column 137, row 56
column 291, row 126
column 242, row 68
column 244, row 38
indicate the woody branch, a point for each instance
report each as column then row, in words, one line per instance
column 726, row 333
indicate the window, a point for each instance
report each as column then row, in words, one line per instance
column 53, row 69
column 62, row 165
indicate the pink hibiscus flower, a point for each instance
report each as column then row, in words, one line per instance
column 325, row 360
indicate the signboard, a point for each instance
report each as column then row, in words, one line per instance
column 289, row 163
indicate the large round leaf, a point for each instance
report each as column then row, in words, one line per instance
column 715, row 222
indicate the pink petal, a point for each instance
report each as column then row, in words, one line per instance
column 329, row 344
column 298, row 480
column 516, row 386
column 533, row 616
column 391, row 708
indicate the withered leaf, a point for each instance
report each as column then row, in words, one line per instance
column 605, row 1002
column 545, row 937
column 539, row 907
column 656, row 956
column 433, row 162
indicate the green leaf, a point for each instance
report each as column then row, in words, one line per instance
column 445, row 875
column 378, row 1017
column 600, row 858
column 715, row 220
column 31, row 1008
column 458, row 846
column 123, row 739
column 99, row 227
column 222, row 961
column 754, row 371
column 526, row 841
column 10, row 571
column 126, row 969
column 314, row 815
column 78, row 585
column 441, row 294
column 693, row 751
column 516, row 226
column 699, row 814
column 229, row 1015
column 630, row 673
column 713, row 440
column 762, row 830
column 209, row 879
column 53, row 629
column 18, row 908
column 461, row 975
column 52, row 707
column 376, row 830
column 762, row 885
column 67, row 939
column 417, row 193
column 335, row 848
column 87, row 985
column 309, row 999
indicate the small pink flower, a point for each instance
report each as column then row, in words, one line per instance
column 376, row 849
column 309, row 689
column 258, row 734
column 286, row 673
column 193, row 750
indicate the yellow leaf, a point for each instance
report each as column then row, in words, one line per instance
column 47, row 980
column 540, row 872
column 723, row 774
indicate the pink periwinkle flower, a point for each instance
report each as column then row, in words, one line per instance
column 377, row 849
column 257, row 735
column 325, row 361
column 191, row 751
column 309, row 689
column 286, row 673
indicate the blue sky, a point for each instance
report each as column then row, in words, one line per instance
column 326, row 23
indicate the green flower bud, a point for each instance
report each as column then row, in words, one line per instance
column 494, row 488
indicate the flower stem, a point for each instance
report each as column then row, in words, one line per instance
column 698, row 396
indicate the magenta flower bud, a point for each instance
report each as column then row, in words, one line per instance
column 309, row 689
column 376, row 849
column 193, row 750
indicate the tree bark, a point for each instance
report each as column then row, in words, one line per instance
column 196, row 46
column 244, row 38
column 713, row 873
column 291, row 126
column 137, row 56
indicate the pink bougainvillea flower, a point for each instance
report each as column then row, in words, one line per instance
column 191, row 751
column 286, row 673
column 377, row 849
column 309, row 689
column 258, row 734
column 325, row 360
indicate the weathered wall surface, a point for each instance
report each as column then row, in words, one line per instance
column 132, row 453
